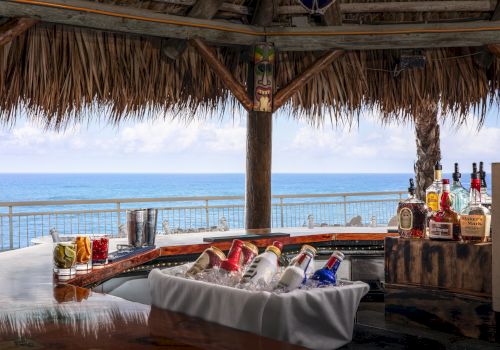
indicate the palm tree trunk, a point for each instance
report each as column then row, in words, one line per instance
column 428, row 147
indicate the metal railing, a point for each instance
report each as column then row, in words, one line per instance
column 20, row 222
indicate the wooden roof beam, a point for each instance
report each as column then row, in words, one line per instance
column 206, row 9
column 230, row 82
column 282, row 96
column 13, row 28
column 349, row 37
column 393, row 6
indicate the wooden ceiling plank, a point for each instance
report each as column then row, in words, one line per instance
column 230, row 82
column 115, row 18
column 299, row 81
column 496, row 13
column 396, row 6
column 15, row 27
column 205, row 9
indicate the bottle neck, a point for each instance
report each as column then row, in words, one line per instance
column 475, row 191
column 438, row 175
column 445, row 198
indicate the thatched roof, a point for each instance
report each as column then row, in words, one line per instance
column 59, row 73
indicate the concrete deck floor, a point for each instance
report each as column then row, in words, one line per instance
column 372, row 331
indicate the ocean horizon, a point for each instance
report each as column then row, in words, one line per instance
column 66, row 186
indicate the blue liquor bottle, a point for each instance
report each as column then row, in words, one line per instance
column 328, row 274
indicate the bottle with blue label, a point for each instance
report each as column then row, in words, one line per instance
column 328, row 274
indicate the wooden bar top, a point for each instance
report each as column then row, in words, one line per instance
column 37, row 311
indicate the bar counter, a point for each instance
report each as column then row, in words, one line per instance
column 37, row 311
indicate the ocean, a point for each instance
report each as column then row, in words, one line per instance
column 33, row 187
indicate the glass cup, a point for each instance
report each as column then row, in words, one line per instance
column 83, row 254
column 64, row 260
column 100, row 248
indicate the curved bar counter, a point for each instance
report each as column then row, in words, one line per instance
column 39, row 312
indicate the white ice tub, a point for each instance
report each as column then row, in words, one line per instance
column 321, row 318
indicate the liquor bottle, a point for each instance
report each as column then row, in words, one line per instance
column 459, row 195
column 475, row 219
column 445, row 223
column 328, row 274
column 232, row 263
column 433, row 192
column 295, row 274
column 210, row 258
column 309, row 270
column 485, row 197
column 263, row 267
column 412, row 215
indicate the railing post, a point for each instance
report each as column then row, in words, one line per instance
column 206, row 214
column 118, row 217
column 281, row 212
column 345, row 210
column 11, row 229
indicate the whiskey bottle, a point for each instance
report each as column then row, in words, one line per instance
column 412, row 214
column 459, row 195
column 475, row 219
column 445, row 223
column 485, row 197
column 433, row 192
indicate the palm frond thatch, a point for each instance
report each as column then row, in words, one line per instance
column 59, row 73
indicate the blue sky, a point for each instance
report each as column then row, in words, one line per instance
column 215, row 146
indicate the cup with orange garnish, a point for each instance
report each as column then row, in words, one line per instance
column 83, row 254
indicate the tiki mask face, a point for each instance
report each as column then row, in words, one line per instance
column 263, row 77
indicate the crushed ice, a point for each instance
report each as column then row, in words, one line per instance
column 222, row 278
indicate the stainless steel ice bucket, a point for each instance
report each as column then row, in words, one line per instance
column 141, row 227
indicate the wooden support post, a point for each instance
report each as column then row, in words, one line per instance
column 204, row 9
column 321, row 63
column 495, row 237
column 223, row 73
column 13, row 28
column 258, row 199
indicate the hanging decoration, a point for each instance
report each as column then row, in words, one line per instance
column 263, row 77
column 316, row 6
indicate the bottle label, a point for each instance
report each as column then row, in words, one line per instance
column 405, row 219
column 474, row 225
column 433, row 201
column 442, row 230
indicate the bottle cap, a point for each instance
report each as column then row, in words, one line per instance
column 456, row 174
column 473, row 175
column 339, row 254
column 218, row 252
column 438, row 166
column 252, row 247
column 411, row 189
column 309, row 248
column 278, row 245
column 446, row 181
column 274, row 249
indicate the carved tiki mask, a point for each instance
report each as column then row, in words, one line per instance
column 263, row 78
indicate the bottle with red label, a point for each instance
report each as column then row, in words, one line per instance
column 475, row 219
column 445, row 223
column 295, row 274
column 232, row 263
column 328, row 274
